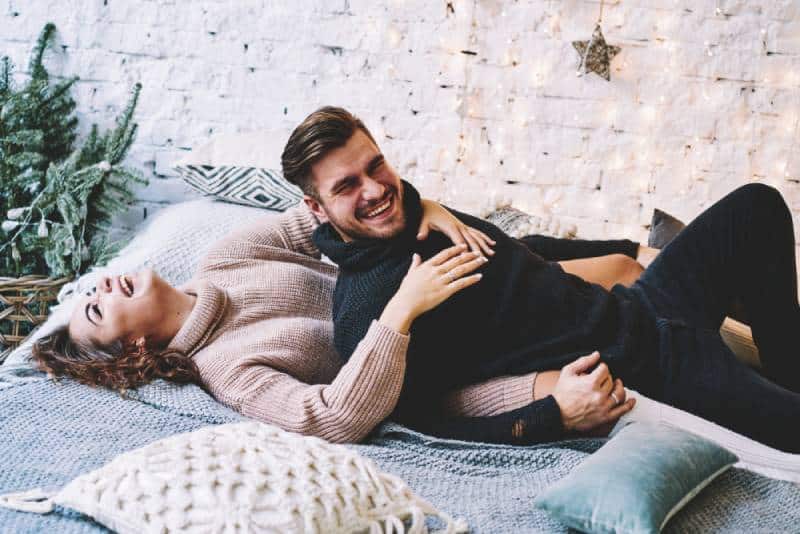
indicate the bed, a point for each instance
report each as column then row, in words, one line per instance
column 51, row 432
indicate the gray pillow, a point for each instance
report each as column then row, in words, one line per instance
column 637, row 481
column 663, row 228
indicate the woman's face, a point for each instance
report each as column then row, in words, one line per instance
column 125, row 307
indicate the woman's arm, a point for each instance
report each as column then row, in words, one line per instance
column 491, row 397
column 362, row 394
column 290, row 230
column 537, row 422
column 437, row 217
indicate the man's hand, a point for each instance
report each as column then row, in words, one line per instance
column 436, row 217
column 587, row 399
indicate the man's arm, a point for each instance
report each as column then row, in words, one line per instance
column 537, row 422
column 558, row 249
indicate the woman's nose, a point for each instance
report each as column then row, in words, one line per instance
column 105, row 285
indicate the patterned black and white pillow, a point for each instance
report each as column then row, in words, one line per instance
column 251, row 186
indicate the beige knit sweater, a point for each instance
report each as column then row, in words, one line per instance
column 261, row 334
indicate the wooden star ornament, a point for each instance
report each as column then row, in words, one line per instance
column 596, row 54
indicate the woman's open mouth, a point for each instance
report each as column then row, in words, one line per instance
column 126, row 285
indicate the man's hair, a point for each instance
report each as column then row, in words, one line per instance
column 118, row 366
column 326, row 129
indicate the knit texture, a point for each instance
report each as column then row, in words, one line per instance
column 51, row 433
column 241, row 477
column 266, row 351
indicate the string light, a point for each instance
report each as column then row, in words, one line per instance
column 476, row 157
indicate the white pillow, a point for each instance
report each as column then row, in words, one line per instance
column 241, row 477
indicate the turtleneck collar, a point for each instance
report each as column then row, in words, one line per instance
column 205, row 315
column 363, row 254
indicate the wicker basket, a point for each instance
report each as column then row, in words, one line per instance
column 24, row 305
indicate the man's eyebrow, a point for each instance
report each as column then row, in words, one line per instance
column 374, row 162
column 86, row 311
column 341, row 181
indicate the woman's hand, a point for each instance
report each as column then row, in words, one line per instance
column 436, row 217
column 428, row 284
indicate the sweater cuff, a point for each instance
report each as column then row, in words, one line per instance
column 630, row 248
column 546, row 424
column 385, row 339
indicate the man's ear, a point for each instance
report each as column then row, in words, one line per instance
column 316, row 208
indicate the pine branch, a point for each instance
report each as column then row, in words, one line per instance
column 36, row 67
column 5, row 76
column 125, row 132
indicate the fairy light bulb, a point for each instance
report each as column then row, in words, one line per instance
column 393, row 36
column 649, row 113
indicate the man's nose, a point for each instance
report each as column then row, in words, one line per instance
column 372, row 189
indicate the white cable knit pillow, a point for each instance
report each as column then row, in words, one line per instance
column 241, row 477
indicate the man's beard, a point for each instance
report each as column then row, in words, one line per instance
column 356, row 234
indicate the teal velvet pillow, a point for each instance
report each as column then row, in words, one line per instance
column 637, row 481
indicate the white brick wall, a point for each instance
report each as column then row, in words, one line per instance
column 704, row 95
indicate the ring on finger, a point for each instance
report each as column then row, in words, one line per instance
column 449, row 276
column 614, row 396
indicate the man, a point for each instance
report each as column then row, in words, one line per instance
column 527, row 314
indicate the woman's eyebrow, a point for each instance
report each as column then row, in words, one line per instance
column 86, row 311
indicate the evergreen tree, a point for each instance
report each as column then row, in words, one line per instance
column 57, row 201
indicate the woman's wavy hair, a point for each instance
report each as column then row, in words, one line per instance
column 119, row 366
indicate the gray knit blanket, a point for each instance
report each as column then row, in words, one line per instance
column 52, row 432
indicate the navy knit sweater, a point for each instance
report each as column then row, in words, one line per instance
column 526, row 314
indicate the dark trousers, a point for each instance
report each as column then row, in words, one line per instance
column 741, row 248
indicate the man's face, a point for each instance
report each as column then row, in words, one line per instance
column 360, row 194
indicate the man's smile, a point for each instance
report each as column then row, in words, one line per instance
column 381, row 211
